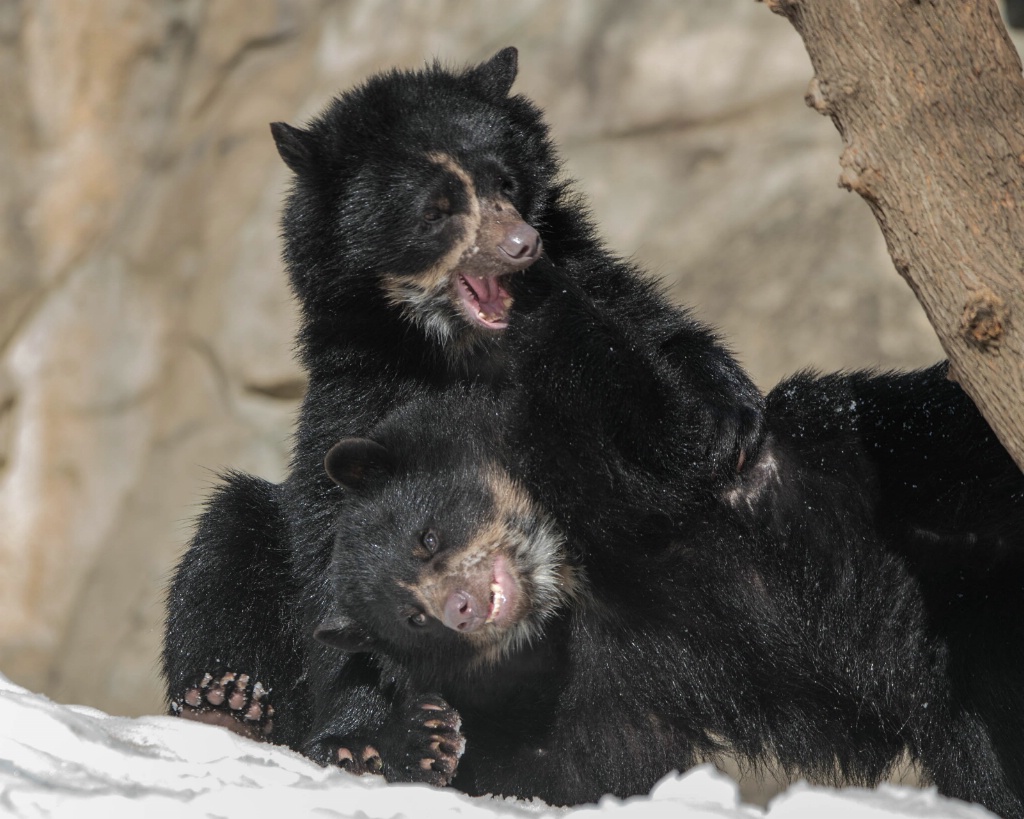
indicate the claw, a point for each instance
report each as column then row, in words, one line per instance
column 237, row 699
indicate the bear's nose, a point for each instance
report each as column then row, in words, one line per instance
column 461, row 612
column 521, row 244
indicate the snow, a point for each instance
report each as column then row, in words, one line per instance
column 72, row 761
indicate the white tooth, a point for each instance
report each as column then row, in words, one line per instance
column 498, row 597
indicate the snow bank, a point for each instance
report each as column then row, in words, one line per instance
column 72, row 761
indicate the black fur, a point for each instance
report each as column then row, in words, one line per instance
column 233, row 588
column 910, row 454
column 389, row 180
column 807, row 638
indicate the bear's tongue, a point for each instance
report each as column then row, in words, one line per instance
column 486, row 300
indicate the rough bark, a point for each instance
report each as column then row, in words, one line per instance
column 929, row 100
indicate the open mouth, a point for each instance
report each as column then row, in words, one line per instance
column 485, row 300
column 503, row 593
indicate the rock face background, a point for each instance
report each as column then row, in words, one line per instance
column 145, row 323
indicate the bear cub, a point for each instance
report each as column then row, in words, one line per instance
column 479, row 562
column 420, row 200
column 515, row 662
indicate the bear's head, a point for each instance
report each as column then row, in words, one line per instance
column 439, row 556
column 420, row 191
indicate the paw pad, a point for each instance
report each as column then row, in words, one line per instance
column 228, row 699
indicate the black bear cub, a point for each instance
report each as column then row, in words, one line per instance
column 419, row 199
column 443, row 567
column 553, row 662
column 513, row 662
column 459, row 588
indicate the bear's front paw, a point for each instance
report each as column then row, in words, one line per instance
column 232, row 700
column 420, row 742
column 429, row 742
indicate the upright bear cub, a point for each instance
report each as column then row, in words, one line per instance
column 418, row 200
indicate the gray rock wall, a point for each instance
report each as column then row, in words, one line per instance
column 145, row 324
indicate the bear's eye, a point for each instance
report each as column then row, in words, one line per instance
column 430, row 541
column 506, row 184
column 419, row 619
column 437, row 211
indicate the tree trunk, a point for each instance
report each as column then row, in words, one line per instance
column 929, row 100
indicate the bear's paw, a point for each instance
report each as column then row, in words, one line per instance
column 428, row 742
column 231, row 700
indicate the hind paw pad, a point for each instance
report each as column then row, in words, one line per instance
column 231, row 700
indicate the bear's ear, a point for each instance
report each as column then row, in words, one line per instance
column 296, row 147
column 342, row 633
column 356, row 462
column 495, row 77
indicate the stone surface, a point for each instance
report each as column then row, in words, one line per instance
column 145, row 324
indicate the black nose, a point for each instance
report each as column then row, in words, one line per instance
column 461, row 612
column 521, row 244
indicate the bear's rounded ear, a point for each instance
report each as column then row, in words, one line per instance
column 297, row 147
column 357, row 462
column 342, row 633
column 495, row 77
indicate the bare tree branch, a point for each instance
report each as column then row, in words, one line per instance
column 929, row 100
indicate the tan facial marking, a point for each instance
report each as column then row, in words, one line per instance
column 532, row 549
column 438, row 277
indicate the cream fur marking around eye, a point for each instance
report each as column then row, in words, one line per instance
column 426, row 298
